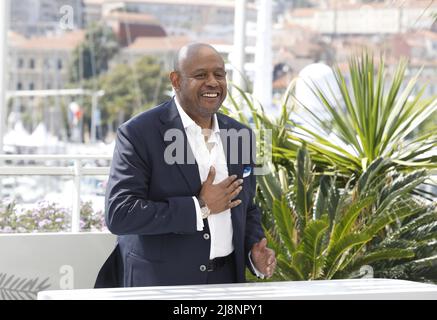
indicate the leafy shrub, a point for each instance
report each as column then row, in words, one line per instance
column 47, row 217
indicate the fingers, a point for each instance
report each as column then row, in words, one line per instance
column 263, row 243
column 222, row 193
column 271, row 269
column 227, row 181
column 261, row 246
column 264, row 258
column 271, row 263
column 234, row 189
column 211, row 175
column 235, row 193
column 234, row 185
column 233, row 204
column 271, row 256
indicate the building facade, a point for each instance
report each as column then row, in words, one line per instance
column 40, row 17
column 364, row 19
column 193, row 18
column 39, row 63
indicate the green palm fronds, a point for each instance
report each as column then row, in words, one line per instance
column 375, row 116
column 329, row 232
column 347, row 193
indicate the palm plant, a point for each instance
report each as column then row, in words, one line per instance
column 385, row 223
column 373, row 117
column 320, row 231
column 249, row 111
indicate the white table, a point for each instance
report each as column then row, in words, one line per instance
column 362, row 289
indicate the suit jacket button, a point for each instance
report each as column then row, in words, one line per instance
column 203, row 268
column 206, row 236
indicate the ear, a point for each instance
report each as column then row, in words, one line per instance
column 175, row 80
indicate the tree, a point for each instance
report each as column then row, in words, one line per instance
column 132, row 89
column 91, row 57
column 128, row 89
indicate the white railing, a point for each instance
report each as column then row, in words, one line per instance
column 76, row 170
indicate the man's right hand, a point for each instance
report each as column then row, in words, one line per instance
column 219, row 197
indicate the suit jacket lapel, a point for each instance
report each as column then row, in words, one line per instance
column 234, row 167
column 171, row 120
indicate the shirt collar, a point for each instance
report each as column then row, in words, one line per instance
column 188, row 122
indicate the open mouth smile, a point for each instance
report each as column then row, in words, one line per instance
column 210, row 95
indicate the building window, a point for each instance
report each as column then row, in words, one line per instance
column 19, row 86
column 32, row 64
column 20, row 63
column 31, row 86
column 59, row 64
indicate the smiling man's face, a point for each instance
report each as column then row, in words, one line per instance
column 200, row 82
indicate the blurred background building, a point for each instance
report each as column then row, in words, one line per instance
column 44, row 55
column 74, row 70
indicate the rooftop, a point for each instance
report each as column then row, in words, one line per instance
column 131, row 17
column 221, row 3
column 411, row 4
column 65, row 41
column 159, row 43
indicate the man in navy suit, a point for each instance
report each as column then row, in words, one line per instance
column 181, row 188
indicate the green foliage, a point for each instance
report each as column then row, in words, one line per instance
column 132, row 89
column 47, row 217
column 428, row 125
column 339, row 230
column 129, row 89
column 92, row 56
column 344, row 210
column 373, row 117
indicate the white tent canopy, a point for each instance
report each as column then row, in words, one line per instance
column 18, row 136
column 41, row 137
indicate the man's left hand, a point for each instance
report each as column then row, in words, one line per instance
column 263, row 258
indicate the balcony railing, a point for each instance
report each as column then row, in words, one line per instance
column 78, row 166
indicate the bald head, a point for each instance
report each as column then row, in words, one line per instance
column 189, row 51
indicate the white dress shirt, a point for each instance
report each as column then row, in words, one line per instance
column 220, row 224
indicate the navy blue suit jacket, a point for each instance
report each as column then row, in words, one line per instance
column 149, row 206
